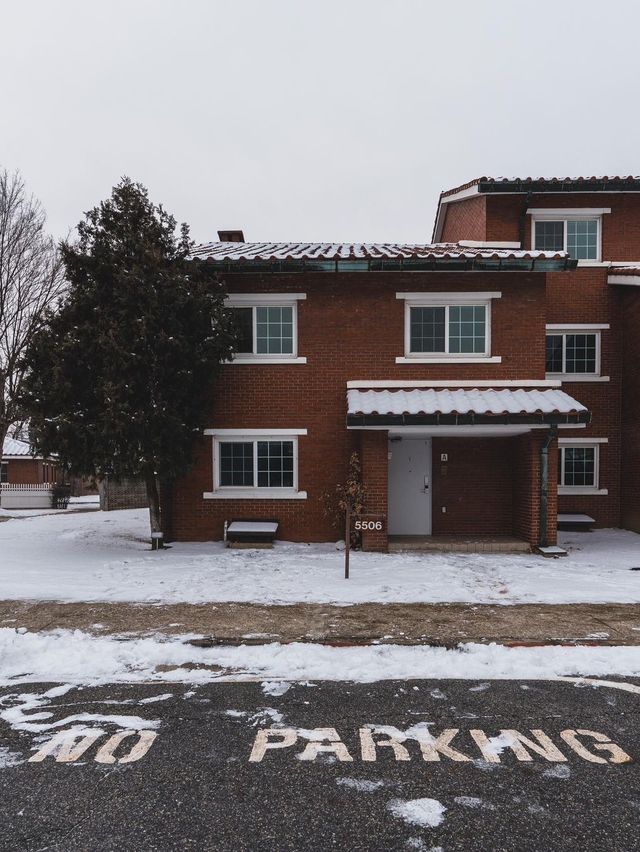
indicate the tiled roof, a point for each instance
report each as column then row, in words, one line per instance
column 13, row 447
column 475, row 401
column 228, row 251
column 583, row 183
column 624, row 270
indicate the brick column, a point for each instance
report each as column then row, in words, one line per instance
column 374, row 449
column 526, row 489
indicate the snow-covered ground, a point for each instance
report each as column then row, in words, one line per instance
column 105, row 556
column 77, row 657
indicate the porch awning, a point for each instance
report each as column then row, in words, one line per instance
column 476, row 406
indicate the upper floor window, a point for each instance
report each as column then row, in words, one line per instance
column 267, row 327
column 450, row 329
column 447, row 326
column 577, row 231
column 573, row 351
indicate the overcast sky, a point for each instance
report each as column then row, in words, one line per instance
column 336, row 120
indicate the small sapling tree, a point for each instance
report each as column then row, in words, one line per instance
column 120, row 376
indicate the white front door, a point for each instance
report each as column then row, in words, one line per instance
column 410, row 486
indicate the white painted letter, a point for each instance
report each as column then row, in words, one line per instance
column 65, row 748
column 316, row 744
column 368, row 745
column 287, row 738
column 433, row 747
column 544, row 747
column 105, row 752
column 617, row 754
column 487, row 749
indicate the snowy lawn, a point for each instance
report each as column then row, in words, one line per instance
column 105, row 556
column 77, row 657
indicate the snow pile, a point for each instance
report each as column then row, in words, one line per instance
column 77, row 657
column 105, row 556
column 424, row 812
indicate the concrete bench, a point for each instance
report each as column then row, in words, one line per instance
column 575, row 521
column 250, row 533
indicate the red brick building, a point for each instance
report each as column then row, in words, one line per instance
column 19, row 467
column 488, row 380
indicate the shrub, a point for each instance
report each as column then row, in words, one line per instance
column 351, row 494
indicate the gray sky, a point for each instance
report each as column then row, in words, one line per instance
column 323, row 120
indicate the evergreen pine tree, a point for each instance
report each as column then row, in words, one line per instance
column 121, row 374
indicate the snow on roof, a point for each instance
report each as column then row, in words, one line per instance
column 624, row 270
column 580, row 183
column 222, row 251
column 14, row 447
column 475, row 401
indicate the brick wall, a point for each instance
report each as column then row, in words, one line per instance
column 526, row 488
column 122, row 494
column 465, row 220
column 630, row 299
column 474, row 486
column 351, row 327
column 374, row 455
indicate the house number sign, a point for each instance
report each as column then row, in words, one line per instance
column 360, row 523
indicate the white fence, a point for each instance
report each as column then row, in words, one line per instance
column 25, row 496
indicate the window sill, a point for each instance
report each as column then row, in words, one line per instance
column 577, row 377
column 482, row 359
column 566, row 490
column 247, row 359
column 255, row 494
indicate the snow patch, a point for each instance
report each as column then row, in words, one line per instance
column 77, row 657
column 275, row 687
column 424, row 812
column 363, row 785
column 153, row 698
column 559, row 771
column 98, row 556
column 9, row 758
column 474, row 802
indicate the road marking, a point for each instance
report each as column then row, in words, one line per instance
column 614, row 684
column 525, row 748
column 69, row 746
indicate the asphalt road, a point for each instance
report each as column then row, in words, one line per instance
column 210, row 771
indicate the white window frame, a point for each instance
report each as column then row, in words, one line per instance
column 578, row 328
column 569, row 214
column 446, row 301
column 253, row 492
column 582, row 443
column 267, row 300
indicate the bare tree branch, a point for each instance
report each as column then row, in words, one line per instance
column 31, row 281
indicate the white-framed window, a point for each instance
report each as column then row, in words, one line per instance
column 576, row 231
column 447, row 327
column 573, row 352
column 255, row 463
column 579, row 460
column 268, row 327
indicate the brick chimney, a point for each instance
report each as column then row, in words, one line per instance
column 231, row 236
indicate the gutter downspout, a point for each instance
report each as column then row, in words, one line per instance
column 552, row 434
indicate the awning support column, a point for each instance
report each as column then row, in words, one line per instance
column 552, row 434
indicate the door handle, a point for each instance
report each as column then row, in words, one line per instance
column 426, row 483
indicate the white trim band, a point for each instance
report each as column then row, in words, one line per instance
column 255, row 494
column 450, row 298
column 263, row 298
column 587, row 441
column 563, row 212
column 254, row 433
column 577, row 326
column 421, row 359
column 257, row 359
column 454, row 383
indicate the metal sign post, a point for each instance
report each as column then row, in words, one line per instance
column 362, row 523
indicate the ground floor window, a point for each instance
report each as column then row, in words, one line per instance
column 4, row 472
column 579, row 467
column 255, row 463
column 261, row 464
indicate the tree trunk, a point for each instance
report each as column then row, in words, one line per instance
column 154, row 508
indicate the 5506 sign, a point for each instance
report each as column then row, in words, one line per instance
column 359, row 523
